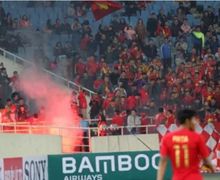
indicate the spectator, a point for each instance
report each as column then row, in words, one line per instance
column 217, row 55
column 74, row 99
column 163, row 30
column 80, row 67
column 49, row 26
column 166, row 55
column 175, row 28
column 1, row 104
column 117, row 123
column 180, row 14
column 151, row 108
column 58, row 50
column 150, row 50
column 133, row 121
column 65, row 26
column 85, row 140
column 14, row 81
column 162, row 17
column 102, row 125
column 160, row 117
column 206, row 19
column 71, row 9
column 152, row 25
column 170, row 117
column 57, row 26
column 2, row 13
column 185, row 27
column 144, row 95
column 95, row 106
column 87, row 81
column 110, row 108
column 80, row 10
column 10, row 111
column 120, row 91
column 114, row 77
column 21, row 114
column 130, row 33
column 84, row 43
column 92, row 67
column 76, row 26
column 214, row 44
column 76, row 33
column 24, row 22
column 82, row 103
column 15, row 24
column 8, row 21
column 140, row 30
column 106, row 87
column 198, row 40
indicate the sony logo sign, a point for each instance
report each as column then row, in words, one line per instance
column 35, row 170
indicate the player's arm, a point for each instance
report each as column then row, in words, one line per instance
column 207, row 163
column 205, row 155
column 163, row 159
column 162, row 168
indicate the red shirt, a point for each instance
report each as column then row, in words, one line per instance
column 106, row 103
column 121, row 37
column 118, row 120
column 188, row 99
column 80, row 68
column 92, row 67
column 170, row 120
column 160, row 118
column 185, row 149
column 82, row 100
column 84, row 43
column 131, row 102
column 144, row 96
column 97, row 83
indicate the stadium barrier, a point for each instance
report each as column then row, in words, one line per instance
column 139, row 165
column 90, row 166
column 65, row 132
column 23, row 62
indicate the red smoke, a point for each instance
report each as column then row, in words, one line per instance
column 55, row 99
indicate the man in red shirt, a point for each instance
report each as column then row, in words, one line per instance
column 160, row 117
column 117, row 123
column 80, row 67
column 118, row 119
column 170, row 118
column 185, row 148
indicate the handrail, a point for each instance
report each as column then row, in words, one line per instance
column 44, row 126
column 151, row 118
column 64, row 132
column 68, row 83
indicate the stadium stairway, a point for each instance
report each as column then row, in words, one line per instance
column 13, row 63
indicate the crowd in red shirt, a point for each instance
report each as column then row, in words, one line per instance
column 128, row 73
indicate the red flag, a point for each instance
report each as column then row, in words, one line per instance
column 103, row 8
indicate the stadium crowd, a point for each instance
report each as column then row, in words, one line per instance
column 166, row 63
column 141, row 73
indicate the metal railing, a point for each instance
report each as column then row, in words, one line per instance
column 70, row 139
column 23, row 62
column 108, row 120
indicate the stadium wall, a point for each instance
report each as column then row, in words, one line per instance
column 11, row 66
column 125, row 143
column 14, row 145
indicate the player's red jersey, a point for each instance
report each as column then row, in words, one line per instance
column 185, row 149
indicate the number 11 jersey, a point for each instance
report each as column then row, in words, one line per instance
column 185, row 149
